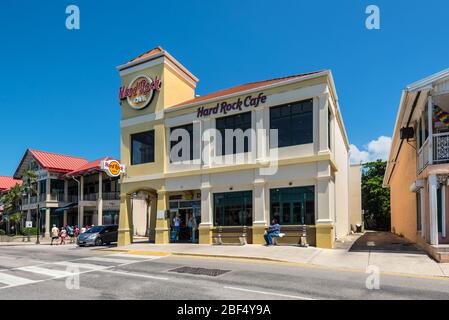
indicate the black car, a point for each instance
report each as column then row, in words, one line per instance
column 98, row 235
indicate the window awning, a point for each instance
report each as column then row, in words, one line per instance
column 69, row 206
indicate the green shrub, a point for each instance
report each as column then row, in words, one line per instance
column 29, row 231
column 2, row 232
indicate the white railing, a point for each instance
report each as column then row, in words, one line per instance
column 90, row 197
column 441, row 148
column 423, row 156
column 111, row 196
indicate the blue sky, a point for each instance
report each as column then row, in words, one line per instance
column 58, row 88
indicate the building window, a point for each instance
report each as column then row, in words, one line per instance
column 293, row 206
column 233, row 208
column 294, row 122
column 240, row 121
column 142, row 147
column 189, row 129
column 418, row 211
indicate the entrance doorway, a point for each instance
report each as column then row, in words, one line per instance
column 188, row 214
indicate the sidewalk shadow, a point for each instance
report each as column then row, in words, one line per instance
column 386, row 242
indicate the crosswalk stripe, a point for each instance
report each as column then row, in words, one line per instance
column 134, row 256
column 101, row 259
column 10, row 280
column 81, row 265
column 47, row 272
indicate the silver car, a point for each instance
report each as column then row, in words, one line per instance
column 98, row 235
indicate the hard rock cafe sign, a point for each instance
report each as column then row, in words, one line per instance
column 113, row 168
column 140, row 91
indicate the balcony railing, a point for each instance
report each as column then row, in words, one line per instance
column 111, row 196
column 439, row 153
column 90, row 197
column 441, row 148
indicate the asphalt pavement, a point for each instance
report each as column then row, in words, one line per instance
column 72, row 273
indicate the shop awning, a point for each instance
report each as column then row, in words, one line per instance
column 69, row 206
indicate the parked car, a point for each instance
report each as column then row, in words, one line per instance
column 98, row 235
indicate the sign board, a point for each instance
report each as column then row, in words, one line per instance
column 113, row 168
column 28, row 224
column 140, row 91
column 222, row 108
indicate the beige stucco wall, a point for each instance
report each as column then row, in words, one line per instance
column 403, row 201
column 355, row 195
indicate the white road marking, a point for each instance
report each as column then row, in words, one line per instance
column 133, row 274
column 269, row 293
column 101, row 259
column 13, row 281
column 46, row 272
column 10, row 280
column 81, row 265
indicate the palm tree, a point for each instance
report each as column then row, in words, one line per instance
column 11, row 204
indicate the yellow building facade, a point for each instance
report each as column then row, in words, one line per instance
column 291, row 163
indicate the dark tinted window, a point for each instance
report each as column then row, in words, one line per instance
column 240, row 121
column 189, row 129
column 233, row 208
column 142, row 147
column 294, row 122
column 293, row 206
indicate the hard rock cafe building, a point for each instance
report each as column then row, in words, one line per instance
column 305, row 183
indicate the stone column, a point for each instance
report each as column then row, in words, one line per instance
column 260, row 212
column 48, row 188
column 325, row 208
column 124, row 232
column 207, row 224
column 66, row 191
column 47, row 222
column 323, row 103
column 433, row 189
column 443, row 208
column 65, row 218
column 162, row 222
column 152, row 218
column 100, row 199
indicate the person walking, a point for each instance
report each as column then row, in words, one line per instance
column 192, row 227
column 76, row 232
column 273, row 231
column 63, row 235
column 70, row 233
column 177, row 226
column 54, row 234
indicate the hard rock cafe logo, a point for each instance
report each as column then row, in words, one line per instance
column 140, row 91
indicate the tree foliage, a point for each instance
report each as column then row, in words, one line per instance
column 375, row 198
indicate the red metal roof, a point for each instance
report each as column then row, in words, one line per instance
column 7, row 183
column 242, row 88
column 58, row 162
column 88, row 167
column 147, row 54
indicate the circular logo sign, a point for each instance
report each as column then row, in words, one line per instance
column 114, row 168
column 140, row 91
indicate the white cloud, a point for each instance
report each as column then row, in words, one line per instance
column 374, row 150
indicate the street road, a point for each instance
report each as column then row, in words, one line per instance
column 69, row 272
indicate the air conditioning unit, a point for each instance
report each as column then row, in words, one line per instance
column 407, row 133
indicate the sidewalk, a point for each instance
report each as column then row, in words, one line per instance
column 346, row 256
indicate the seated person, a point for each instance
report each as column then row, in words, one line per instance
column 273, row 231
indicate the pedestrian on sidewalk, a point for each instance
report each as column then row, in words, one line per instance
column 273, row 231
column 54, row 234
column 63, row 235
column 76, row 232
column 192, row 227
column 177, row 225
column 70, row 233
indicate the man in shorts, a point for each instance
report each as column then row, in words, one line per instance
column 54, row 234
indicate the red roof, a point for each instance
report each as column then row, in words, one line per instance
column 88, row 167
column 147, row 54
column 58, row 162
column 241, row 88
column 7, row 183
